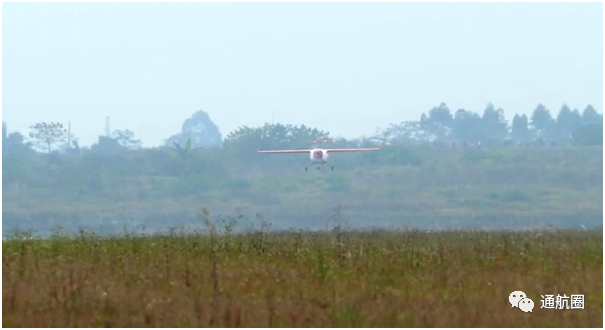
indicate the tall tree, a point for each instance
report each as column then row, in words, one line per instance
column 494, row 123
column 519, row 129
column 438, row 122
column 590, row 116
column 467, row 126
column 567, row 122
column 542, row 122
column 202, row 131
column 48, row 134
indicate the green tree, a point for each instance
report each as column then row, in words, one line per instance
column 567, row 122
column 202, row 131
column 494, row 123
column 590, row 116
column 245, row 138
column 591, row 134
column 14, row 142
column 542, row 122
column 406, row 132
column 303, row 135
column 519, row 129
column 467, row 126
column 126, row 139
column 273, row 136
column 438, row 122
column 48, row 134
column 183, row 152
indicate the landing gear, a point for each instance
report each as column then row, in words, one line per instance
column 318, row 167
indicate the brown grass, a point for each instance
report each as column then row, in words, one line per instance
column 406, row 279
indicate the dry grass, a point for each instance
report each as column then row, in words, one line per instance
column 406, row 279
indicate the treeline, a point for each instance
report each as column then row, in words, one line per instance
column 203, row 159
column 198, row 159
column 569, row 127
column 439, row 125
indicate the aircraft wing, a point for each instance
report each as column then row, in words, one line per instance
column 296, row 151
column 352, row 150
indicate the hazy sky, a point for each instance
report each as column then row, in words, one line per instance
column 346, row 68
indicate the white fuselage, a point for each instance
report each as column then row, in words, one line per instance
column 319, row 156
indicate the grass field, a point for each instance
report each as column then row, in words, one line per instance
column 336, row 279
